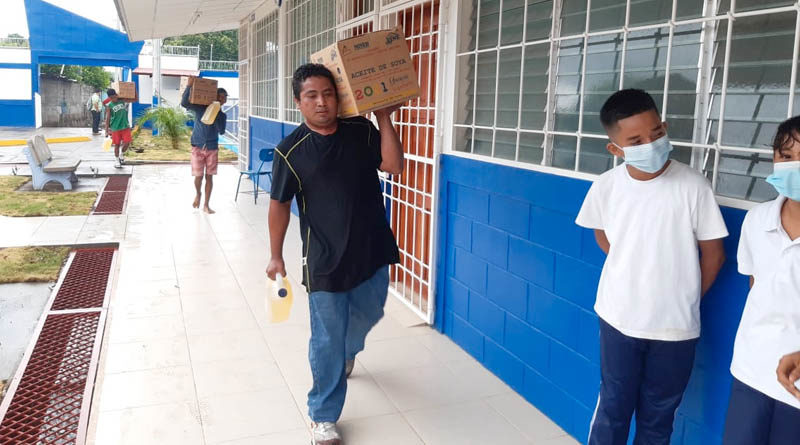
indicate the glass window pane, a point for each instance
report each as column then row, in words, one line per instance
column 689, row 9
column 513, row 15
column 607, row 14
column 534, row 88
column 757, row 98
column 468, row 25
column 531, row 147
column 463, row 139
column 682, row 98
column 573, row 17
column 751, row 5
column 540, row 20
column 465, row 89
column 487, row 76
column 595, row 158
column 509, row 88
column 489, row 23
column 564, row 152
column 505, row 145
column 482, row 145
column 568, row 83
column 647, row 12
column 603, row 60
column 741, row 175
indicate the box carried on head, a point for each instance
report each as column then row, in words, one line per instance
column 125, row 90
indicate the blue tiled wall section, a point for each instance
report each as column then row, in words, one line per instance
column 517, row 283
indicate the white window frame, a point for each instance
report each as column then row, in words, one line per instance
column 700, row 151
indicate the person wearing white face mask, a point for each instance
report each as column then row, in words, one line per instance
column 652, row 216
column 763, row 408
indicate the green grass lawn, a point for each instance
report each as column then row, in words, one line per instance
column 40, row 203
column 31, row 264
column 160, row 149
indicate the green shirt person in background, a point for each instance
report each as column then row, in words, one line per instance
column 117, row 122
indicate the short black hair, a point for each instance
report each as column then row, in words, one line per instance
column 111, row 92
column 310, row 70
column 624, row 104
column 221, row 91
column 97, row 89
column 788, row 132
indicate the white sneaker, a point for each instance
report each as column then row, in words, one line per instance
column 117, row 163
column 325, row 433
column 121, row 159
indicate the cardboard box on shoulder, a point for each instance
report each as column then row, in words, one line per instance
column 372, row 71
column 125, row 90
column 204, row 91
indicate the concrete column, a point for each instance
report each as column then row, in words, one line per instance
column 156, row 76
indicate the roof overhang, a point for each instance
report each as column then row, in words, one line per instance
column 155, row 19
column 176, row 73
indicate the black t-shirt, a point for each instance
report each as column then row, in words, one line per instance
column 346, row 237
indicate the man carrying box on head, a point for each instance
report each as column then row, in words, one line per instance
column 117, row 125
column 330, row 165
column 205, row 144
column 652, row 216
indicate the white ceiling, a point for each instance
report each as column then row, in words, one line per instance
column 150, row 19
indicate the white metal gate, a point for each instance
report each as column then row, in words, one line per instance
column 411, row 197
column 244, row 98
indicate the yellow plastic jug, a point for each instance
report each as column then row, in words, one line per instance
column 279, row 299
column 107, row 144
column 211, row 113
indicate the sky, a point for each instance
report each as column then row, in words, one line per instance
column 13, row 19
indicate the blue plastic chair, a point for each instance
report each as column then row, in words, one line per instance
column 266, row 155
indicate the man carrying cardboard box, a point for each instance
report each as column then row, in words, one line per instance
column 205, row 144
column 330, row 166
column 117, row 123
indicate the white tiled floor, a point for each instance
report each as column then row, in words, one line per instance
column 190, row 358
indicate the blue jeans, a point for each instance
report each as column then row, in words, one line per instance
column 647, row 377
column 340, row 322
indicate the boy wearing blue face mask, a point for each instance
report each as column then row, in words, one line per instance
column 649, row 216
column 763, row 408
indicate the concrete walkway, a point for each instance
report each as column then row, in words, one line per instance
column 190, row 358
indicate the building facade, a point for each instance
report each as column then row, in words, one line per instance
column 505, row 141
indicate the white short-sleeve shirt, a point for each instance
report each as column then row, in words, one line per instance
column 770, row 326
column 650, row 285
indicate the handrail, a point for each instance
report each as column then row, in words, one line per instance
column 219, row 65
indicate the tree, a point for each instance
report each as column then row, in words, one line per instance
column 94, row 76
column 226, row 44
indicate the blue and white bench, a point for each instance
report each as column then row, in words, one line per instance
column 45, row 169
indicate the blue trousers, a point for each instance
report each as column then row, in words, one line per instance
column 647, row 377
column 340, row 322
column 755, row 418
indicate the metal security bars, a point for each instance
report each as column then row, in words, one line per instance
column 244, row 96
column 311, row 26
column 266, row 78
column 532, row 75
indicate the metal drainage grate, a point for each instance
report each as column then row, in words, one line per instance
column 47, row 404
column 112, row 200
column 117, row 184
column 111, row 203
column 86, row 281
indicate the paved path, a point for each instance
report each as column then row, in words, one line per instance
column 189, row 357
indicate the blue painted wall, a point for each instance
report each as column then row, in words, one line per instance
column 516, row 285
column 58, row 36
column 17, row 113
